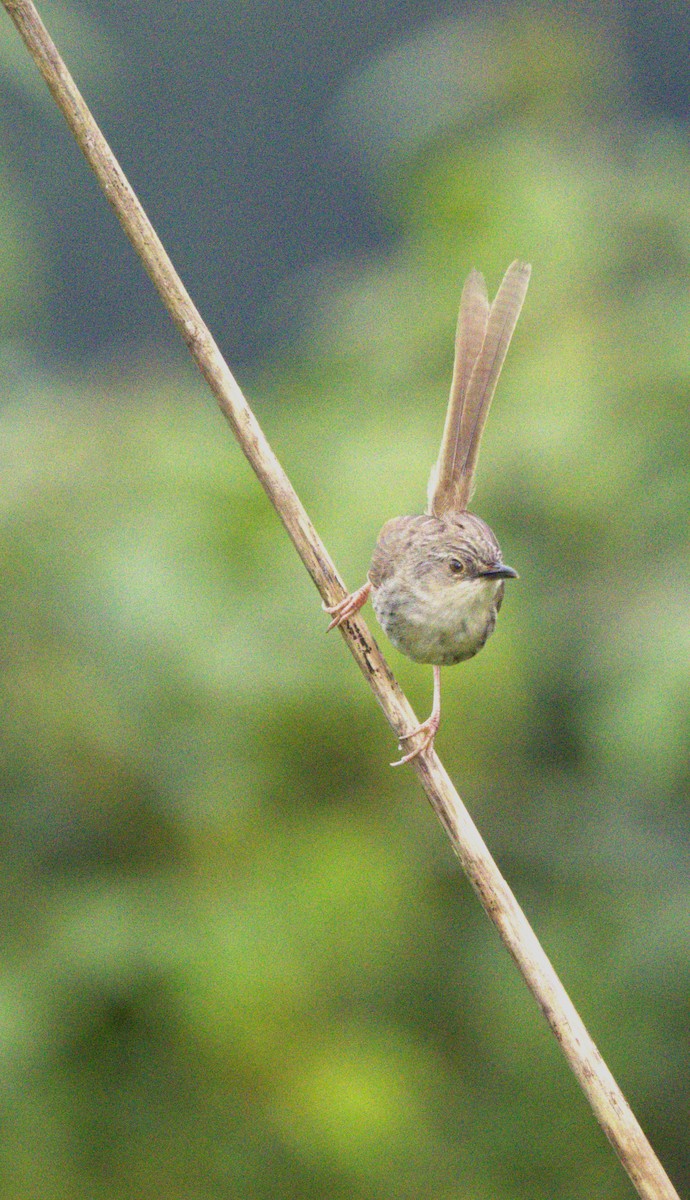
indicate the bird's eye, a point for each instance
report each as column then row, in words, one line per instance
column 456, row 566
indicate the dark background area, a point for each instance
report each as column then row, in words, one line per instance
column 222, row 115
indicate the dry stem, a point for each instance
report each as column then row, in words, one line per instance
column 601, row 1089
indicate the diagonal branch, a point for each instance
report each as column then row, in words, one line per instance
column 601, row 1089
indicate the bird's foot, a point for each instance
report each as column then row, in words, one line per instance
column 347, row 607
column 429, row 728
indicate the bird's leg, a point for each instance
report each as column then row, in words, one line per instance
column 348, row 606
column 429, row 727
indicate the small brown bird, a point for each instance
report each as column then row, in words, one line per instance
column 436, row 581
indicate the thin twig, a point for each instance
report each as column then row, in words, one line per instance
column 601, row 1089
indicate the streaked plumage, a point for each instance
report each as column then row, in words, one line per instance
column 436, row 581
column 429, row 588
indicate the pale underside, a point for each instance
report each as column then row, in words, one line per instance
column 439, row 625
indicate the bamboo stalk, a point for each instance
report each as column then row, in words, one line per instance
column 602, row 1091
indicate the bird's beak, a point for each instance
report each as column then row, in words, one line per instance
column 500, row 572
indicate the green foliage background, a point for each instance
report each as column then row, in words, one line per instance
column 239, row 959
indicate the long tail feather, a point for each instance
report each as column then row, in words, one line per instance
column 479, row 391
column 469, row 337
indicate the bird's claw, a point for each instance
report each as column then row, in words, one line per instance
column 429, row 728
column 347, row 607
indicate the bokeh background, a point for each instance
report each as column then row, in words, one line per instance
column 238, row 957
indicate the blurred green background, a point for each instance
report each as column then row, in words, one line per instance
column 238, row 957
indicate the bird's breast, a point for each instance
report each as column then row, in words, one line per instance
column 442, row 624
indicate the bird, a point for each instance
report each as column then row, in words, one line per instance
column 437, row 580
